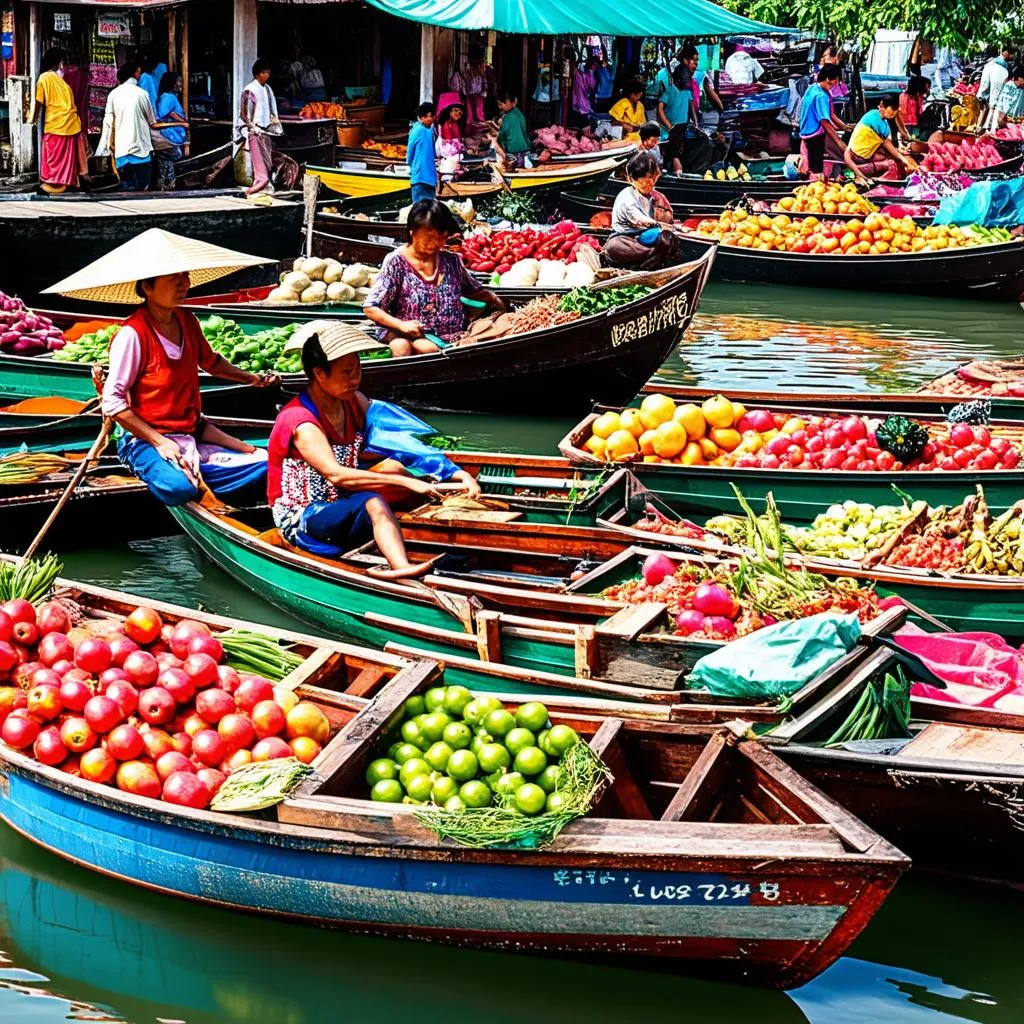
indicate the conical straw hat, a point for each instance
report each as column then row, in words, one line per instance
column 154, row 253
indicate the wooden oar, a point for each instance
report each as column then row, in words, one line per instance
column 97, row 446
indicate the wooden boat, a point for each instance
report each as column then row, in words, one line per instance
column 206, row 170
column 41, row 230
column 991, row 272
column 963, row 764
column 308, row 140
column 801, row 493
column 785, row 878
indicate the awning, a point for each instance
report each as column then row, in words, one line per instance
column 577, row 17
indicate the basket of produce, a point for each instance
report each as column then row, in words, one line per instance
column 350, row 133
column 24, row 333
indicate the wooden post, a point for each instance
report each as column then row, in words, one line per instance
column 245, row 51
column 172, row 40
column 184, row 75
column 426, row 63
column 35, row 54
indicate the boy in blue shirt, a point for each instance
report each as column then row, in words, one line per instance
column 420, row 155
column 818, row 123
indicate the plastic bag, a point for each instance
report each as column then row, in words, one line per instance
column 776, row 661
column 990, row 203
column 393, row 433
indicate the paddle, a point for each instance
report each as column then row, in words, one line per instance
column 97, row 446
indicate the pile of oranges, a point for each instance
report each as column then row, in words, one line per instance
column 827, row 197
column 659, row 431
column 876, row 234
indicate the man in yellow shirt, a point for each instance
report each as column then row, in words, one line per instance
column 870, row 147
column 63, row 156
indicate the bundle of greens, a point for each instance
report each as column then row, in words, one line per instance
column 881, row 713
column 30, row 580
column 587, row 301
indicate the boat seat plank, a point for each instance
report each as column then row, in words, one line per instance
column 700, row 790
column 367, row 681
column 629, row 622
column 948, row 742
column 623, row 792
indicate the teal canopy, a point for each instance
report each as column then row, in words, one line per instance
column 577, row 17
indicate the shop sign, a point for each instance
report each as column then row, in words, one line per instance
column 112, row 26
column 62, row 22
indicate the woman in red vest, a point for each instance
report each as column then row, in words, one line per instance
column 152, row 391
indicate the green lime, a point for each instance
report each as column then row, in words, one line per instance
column 463, row 765
column 382, row 768
column 532, row 716
column 443, row 789
column 414, row 706
column 419, row 788
column 393, row 750
column 433, row 725
column 563, row 737
column 509, row 783
column 493, row 756
column 494, row 777
column 388, row 791
column 478, row 707
column 437, row 756
column 479, row 741
column 531, row 761
column 407, row 751
column 413, row 767
column 457, row 735
column 434, row 698
column 549, row 779
column 412, row 733
column 475, row 793
column 557, row 802
column 499, row 722
column 455, row 804
column 455, row 700
column 530, row 799
column 518, row 738
column 544, row 742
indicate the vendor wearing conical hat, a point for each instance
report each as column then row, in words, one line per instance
column 152, row 386
column 337, row 459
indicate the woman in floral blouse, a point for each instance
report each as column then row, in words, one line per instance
column 420, row 287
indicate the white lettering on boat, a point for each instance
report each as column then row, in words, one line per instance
column 666, row 314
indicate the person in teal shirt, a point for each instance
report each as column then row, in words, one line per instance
column 512, row 139
column 420, row 155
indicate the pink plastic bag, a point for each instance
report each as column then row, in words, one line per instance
column 980, row 667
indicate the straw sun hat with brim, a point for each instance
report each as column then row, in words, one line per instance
column 337, row 339
column 154, row 253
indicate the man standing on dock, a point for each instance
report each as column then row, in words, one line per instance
column 126, row 130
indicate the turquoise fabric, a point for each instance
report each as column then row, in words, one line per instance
column 576, row 17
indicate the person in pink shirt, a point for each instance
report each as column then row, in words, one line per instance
column 584, row 85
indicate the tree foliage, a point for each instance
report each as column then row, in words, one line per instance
column 953, row 23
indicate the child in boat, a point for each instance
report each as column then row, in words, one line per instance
column 324, row 495
column 650, row 141
column 512, row 140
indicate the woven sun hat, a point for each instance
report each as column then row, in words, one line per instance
column 154, row 253
column 337, row 338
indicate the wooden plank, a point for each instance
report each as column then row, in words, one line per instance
column 488, row 636
column 629, row 622
column 951, row 742
column 700, row 789
column 311, row 670
column 435, row 634
column 367, row 681
column 585, row 649
column 605, row 736
column 624, row 791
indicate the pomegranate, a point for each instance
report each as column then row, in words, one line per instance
column 141, row 668
column 270, row 749
column 102, row 713
column 55, row 647
column 6, row 627
column 21, row 674
column 202, row 670
column 11, row 697
column 74, row 694
column 178, row 684
column 236, row 731
column 239, row 759
column 268, row 719
column 53, row 617
column 186, row 790
column 209, row 747
column 305, row 749
column 120, row 648
column 158, row 742
column 26, row 634
column 139, row 778
column 72, row 766
column 45, row 677
column 49, row 748
column 156, row 705
column 252, row 690
column 182, row 634
column 44, row 701
column 62, row 668
column 167, row 660
column 172, row 762
column 8, row 656
column 182, row 743
column 124, row 695
column 97, row 765
column 306, row 719
column 112, row 675
column 143, row 625
column 206, row 644
column 77, row 735
column 285, row 698
column 229, row 678
column 214, row 704
column 19, row 610
column 125, row 743
column 93, row 655
column 19, row 731
column 212, row 779
column 193, row 724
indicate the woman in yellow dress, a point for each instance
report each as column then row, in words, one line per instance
column 64, row 155
column 629, row 112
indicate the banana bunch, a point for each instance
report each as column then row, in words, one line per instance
column 20, row 468
column 995, row 546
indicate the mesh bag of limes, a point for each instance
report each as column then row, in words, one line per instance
column 482, row 775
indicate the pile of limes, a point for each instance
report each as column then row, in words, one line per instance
column 456, row 750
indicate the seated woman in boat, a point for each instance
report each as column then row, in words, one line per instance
column 639, row 238
column 629, row 113
column 417, row 298
column 870, row 147
column 337, row 460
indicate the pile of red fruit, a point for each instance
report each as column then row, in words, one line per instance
column 151, row 708
column 825, row 442
column 928, row 552
column 497, row 252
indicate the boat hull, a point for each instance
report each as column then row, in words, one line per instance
column 775, row 924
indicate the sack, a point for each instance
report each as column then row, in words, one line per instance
column 776, row 661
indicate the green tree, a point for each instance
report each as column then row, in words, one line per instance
column 953, row 23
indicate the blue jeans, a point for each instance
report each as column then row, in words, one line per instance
column 421, row 191
column 136, row 177
column 171, row 486
column 341, row 524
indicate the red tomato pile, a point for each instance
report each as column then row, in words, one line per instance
column 928, row 552
column 497, row 252
column 152, row 709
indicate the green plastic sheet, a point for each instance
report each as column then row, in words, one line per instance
column 577, row 17
column 776, row 661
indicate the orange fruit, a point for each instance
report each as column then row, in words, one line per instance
column 738, row 412
column 647, row 442
column 718, row 411
column 692, row 421
column 629, row 419
column 655, row 410
column 708, row 448
column 595, row 445
column 692, row 455
column 606, row 424
column 669, row 439
column 621, row 445
column 726, row 438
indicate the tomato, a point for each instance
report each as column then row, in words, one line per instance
column 1000, row 445
column 928, row 452
column 885, row 461
column 855, row 428
column 850, row 463
column 962, row 457
column 982, row 436
column 833, row 460
column 987, row 459
column 1010, row 459
column 962, row 435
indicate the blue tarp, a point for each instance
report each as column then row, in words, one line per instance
column 577, row 17
column 991, row 203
